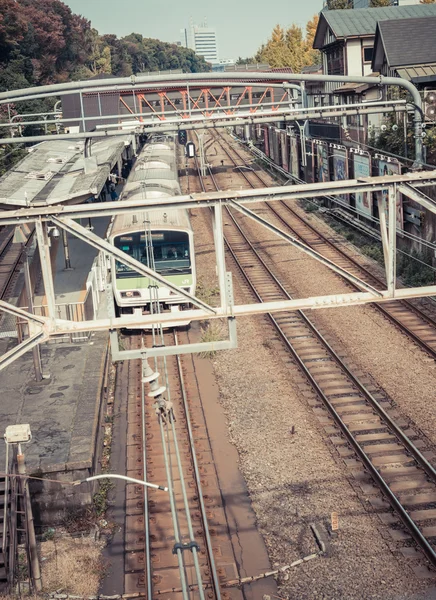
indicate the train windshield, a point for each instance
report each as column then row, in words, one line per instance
column 168, row 250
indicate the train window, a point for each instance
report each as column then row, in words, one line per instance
column 171, row 252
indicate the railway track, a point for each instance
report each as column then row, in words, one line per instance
column 173, row 450
column 379, row 446
column 407, row 317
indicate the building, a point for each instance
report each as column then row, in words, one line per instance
column 346, row 40
column 202, row 39
column 406, row 49
column 346, row 37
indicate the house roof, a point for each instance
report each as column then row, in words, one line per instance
column 359, row 22
column 405, row 42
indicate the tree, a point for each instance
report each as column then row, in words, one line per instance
column 379, row 3
column 339, row 4
column 427, row 1
column 99, row 59
column 43, row 41
column 246, row 61
column 289, row 48
column 312, row 56
column 275, row 52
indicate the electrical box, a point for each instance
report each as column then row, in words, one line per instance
column 18, row 434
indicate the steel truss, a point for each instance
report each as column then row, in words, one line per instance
column 163, row 86
column 44, row 328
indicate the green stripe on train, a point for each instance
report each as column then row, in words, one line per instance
column 133, row 283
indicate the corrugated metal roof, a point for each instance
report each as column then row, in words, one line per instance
column 416, row 72
column 61, row 177
column 363, row 21
column 409, row 42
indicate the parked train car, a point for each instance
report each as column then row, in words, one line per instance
column 162, row 240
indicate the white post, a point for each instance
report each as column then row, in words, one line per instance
column 218, row 234
column 47, row 274
column 392, row 239
column 381, row 202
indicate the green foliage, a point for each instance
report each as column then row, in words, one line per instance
column 374, row 251
column 100, row 498
column 246, row 61
column 412, row 271
column 392, row 139
column 212, row 332
column 43, row 42
column 339, row 4
column 9, row 156
column 206, row 293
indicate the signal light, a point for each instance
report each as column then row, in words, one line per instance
column 182, row 136
column 430, row 105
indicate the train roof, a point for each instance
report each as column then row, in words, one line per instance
column 159, row 219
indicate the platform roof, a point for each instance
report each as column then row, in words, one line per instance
column 54, row 172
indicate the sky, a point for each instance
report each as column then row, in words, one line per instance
column 241, row 25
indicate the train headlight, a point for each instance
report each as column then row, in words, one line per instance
column 130, row 294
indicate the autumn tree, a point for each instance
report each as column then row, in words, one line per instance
column 380, row 3
column 276, row 51
column 427, row 1
column 289, row 48
column 312, row 56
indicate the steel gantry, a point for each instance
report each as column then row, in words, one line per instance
column 218, row 108
column 63, row 216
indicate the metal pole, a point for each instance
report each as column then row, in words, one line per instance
column 47, row 274
column 5, row 518
column 218, row 234
column 36, row 350
column 34, row 561
column 381, row 203
column 68, row 266
column 392, row 238
column 146, row 370
column 82, row 112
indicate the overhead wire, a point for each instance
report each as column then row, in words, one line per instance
column 337, row 200
column 169, row 437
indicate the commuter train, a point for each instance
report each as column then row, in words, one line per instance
column 163, row 240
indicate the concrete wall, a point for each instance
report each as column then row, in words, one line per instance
column 354, row 57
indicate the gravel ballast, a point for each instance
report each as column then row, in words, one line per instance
column 297, row 479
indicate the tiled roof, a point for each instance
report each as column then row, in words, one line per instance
column 363, row 21
column 409, row 42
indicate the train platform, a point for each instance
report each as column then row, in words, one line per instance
column 66, row 409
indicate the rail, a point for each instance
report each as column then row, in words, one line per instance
column 367, row 275
column 255, row 281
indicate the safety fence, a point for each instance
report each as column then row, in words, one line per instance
column 84, row 310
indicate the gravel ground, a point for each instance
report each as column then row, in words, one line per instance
column 297, row 479
column 372, row 342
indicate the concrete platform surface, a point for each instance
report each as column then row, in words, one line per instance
column 70, row 285
column 62, row 410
